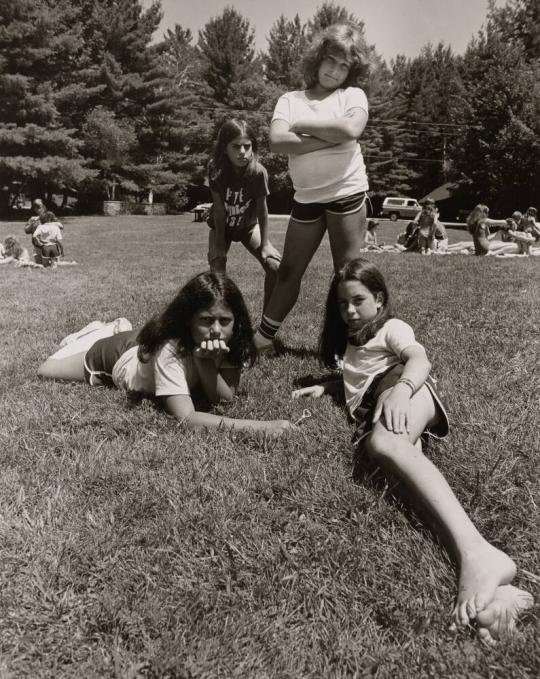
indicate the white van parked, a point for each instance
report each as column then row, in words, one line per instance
column 400, row 208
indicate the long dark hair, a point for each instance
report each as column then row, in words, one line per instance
column 220, row 167
column 344, row 40
column 334, row 335
column 12, row 247
column 199, row 293
column 477, row 216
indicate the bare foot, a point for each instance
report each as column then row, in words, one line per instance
column 481, row 571
column 498, row 619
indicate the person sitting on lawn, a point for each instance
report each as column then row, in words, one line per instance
column 370, row 236
column 392, row 399
column 39, row 209
column 13, row 251
column 426, row 221
column 440, row 238
column 196, row 346
column 47, row 238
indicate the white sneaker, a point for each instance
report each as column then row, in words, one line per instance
column 94, row 325
column 121, row 325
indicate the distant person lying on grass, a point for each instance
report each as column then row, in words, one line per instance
column 198, row 345
column 13, row 251
column 391, row 397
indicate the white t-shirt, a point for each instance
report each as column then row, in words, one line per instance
column 165, row 374
column 48, row 233
column 362, row 364
column 337, row 171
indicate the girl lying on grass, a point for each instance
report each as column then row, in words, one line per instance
column 391, row 397
column 13, row 251
column 198, row 344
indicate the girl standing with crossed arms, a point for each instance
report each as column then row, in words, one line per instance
column 318, row 128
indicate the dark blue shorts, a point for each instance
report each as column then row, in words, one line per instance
column 311, row 212
column 363, row 415
column 99, row 360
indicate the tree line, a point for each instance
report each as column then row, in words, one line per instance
column 92, row 107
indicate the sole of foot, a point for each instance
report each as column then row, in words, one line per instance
column 497, row 621
column 482, row 570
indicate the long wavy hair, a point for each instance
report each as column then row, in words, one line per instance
column 200, row 293
column 12, row 247
column 334, row 335
column 220, row 167
column 343, row 40
column 477, row 216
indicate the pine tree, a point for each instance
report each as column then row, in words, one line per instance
column 329, row 13
column 227, row 42
column 386, row 141
column 38, row 48
column 497, row 158
column 434, row 96
column 286, row 46
column 518, row 20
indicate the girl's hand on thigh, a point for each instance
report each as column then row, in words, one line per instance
column 394, row 406
column 270, row 251
column 315, row 391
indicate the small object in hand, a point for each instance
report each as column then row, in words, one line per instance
column 306, row 413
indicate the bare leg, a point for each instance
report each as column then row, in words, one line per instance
column 301, row 243
column 70, row 368
column 346, row 233
column 270, row 265
column 498, row 619
column 482, row 567
column 218, row 263
column 462, row 245
column 68, row 362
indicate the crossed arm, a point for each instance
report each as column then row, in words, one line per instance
column 305, row 136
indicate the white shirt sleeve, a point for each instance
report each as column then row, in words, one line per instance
column 355, row 98
column 283, row 109
column 398, row 336
column 171, row 372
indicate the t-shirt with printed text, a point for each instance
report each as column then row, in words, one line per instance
column 239, row 193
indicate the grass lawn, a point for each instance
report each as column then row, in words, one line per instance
column 133, row 547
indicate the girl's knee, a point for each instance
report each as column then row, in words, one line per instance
column 381, row 445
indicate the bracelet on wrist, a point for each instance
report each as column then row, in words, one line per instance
column 409, row 383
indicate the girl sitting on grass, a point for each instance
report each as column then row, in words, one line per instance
column 197, row 345
column 391, row 397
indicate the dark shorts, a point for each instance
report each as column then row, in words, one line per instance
column 311, row 212
column 239, row 234
column 363, row 415
column 99, row 360
column 51, row 250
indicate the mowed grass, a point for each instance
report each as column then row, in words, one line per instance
column 134, row 547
